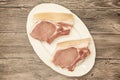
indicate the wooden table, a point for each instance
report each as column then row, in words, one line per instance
column 18, row 61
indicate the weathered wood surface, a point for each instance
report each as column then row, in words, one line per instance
column 106, row 47
column 18, row 61
column 97, row 20
column 34, row 69
column 72, row 4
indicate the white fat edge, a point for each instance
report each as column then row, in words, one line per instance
column 71, row 22
column 81, row 45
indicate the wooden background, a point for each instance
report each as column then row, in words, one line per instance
column 18, row 61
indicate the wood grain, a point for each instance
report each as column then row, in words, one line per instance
column 20, row 52
column 97, row 20
column 76, row 4
column 20, row 39
column 18, row 42
column 18, row 61
column 35, row 69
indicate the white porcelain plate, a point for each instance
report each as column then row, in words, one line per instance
column 44, row 50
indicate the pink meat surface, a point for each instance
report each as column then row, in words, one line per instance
column 48, row 31
column 68, row 58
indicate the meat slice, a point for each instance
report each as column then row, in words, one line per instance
column 43, row 30
column 62, row 29
column 49, row 31
column 83, row 53
column 64, row 58
column 68, row 58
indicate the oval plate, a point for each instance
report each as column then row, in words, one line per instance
column 44, row 50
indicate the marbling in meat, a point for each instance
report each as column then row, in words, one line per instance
column 68, row 58
column 49, row 31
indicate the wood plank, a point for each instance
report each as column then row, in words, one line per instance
column 14, row 39
column 21, row 52
column 20, row 39
column 76, row 4
column 16, row 45
column 35, row 69
column 18, row 61
column 106, row 21
column 18, row 52
column 100, row 20
column 13, row 20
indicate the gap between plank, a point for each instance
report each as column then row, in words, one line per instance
column 72, row 9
